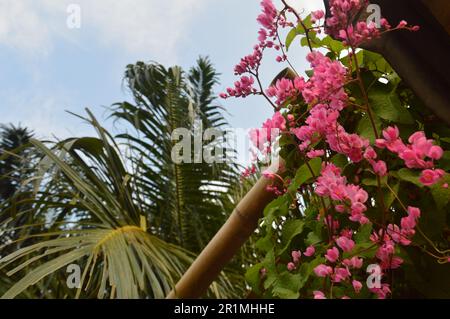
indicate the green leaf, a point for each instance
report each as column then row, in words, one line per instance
column 253, row 277
column 372, row 181
column 444, row 162
column 265, row 243
column 290, row 37
column 365, row 249
column 313, row 239
column 440, row 194
column 287, row 286
column 363, row 234
column 304, row 173
column 278, row 207
column 387, row 105
column 339, row 160
column 365, row 128
column 291, row 229
column 333, row 45
column 410, row 176
column 389, row 196
column 375, row 62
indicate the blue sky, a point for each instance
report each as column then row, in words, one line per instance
column 48, row 68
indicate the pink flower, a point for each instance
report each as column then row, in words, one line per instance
column 345, row 243
column 391, row 134
column 323, row 270
column 380, row 168
column 332, row 254
column 420, row 153
column 341, row 23
column 396, row 262
column 357, row 285
column 268, row 16
column 430, row 177
column 310, row 251
column 285, row 89
column 319, row 295
column 268, row 133
column 296, row 254
column 354, row 262
column 315, row 153
column 370, row 153
column 402, row 24
column 332, row 184
column 408, row 222
column 382, row 292
column 414, row 212
column 243, row 87
column 340, row 274
column 291, row 266
column 435, row 152
column 317, row 15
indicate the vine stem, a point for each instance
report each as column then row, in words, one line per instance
column 282, row 45
column 256, row 75
column 322, row 202
column 443, row 252
column 374, row 127
column 299, row 20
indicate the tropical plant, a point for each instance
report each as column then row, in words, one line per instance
column 17, row 160
column 128, row 216
column 181, row 196
column 13, row 163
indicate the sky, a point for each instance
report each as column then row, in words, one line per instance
column 47, row 68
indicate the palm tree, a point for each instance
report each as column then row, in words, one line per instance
column 120, row 208
column 183, row 196
column 12, row 164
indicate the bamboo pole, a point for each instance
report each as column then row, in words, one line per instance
column 224, row 245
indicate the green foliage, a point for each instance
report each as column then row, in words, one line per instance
column 290, row 222
column 119, row 207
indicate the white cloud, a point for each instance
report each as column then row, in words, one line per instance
column 146, row 27
column 22, row 28
column 43, row 113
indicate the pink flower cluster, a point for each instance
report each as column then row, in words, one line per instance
column 327, row 83
column 325, row 86
column 325, row 94
column 268, row 17
column 350, row 198
column 419, row 153
column 251, row 63
column 286, row 89
column 379, row 167
column 341, row 270
column 296, row 256
column 404, row 234
column 271, row 128
column 341, row 23
column 242, row 88
column 387, row 239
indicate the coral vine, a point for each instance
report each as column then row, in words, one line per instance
column 310, row 112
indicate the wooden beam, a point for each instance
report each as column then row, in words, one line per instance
column 234, row 233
